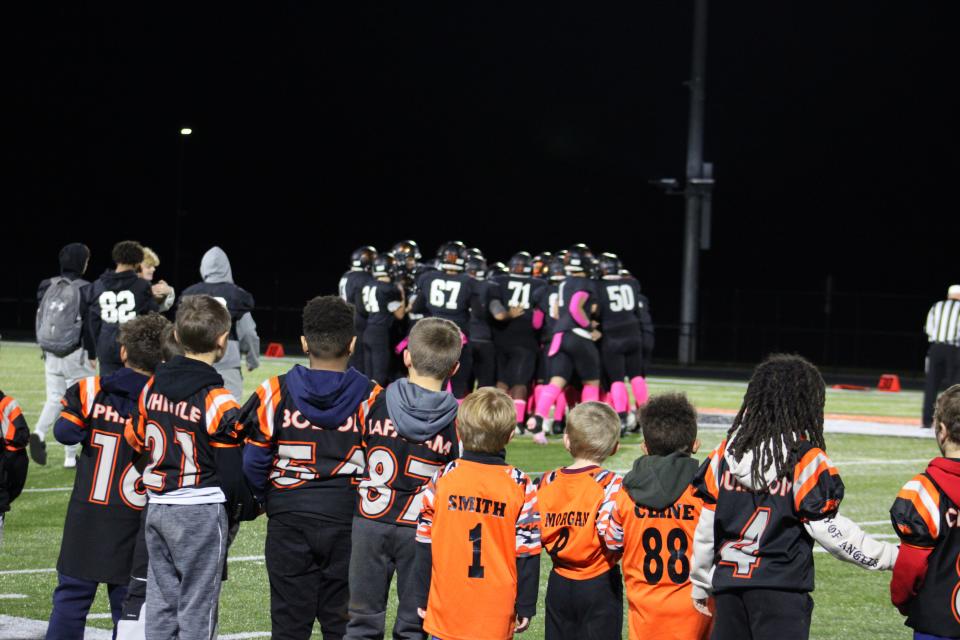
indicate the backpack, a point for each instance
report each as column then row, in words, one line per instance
column 58, row 317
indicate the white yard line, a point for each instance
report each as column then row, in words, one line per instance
column 12, row 596
column 241, row 636
column 27, row 629
column 48, row 490
column 20, row 572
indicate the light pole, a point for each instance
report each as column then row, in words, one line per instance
column 184, row 134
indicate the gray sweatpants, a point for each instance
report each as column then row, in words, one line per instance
column 61, row 374
column 380, row 549
column 187, row 545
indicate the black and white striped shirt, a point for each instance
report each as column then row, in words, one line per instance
column 943, row 322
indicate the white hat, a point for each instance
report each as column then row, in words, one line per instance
column 954, row 290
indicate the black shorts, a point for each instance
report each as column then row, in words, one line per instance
column 621, row 352
column 576, row 354
column 578, row 609
column 484, row 362
column 516, row 364
column 762, row 614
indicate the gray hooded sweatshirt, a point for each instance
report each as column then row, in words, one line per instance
column 215, row 270
column 419, row 414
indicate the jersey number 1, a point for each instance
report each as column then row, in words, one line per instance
column 475, row 570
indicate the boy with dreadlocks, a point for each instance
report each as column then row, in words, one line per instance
column 769, row 490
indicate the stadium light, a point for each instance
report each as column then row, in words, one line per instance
column 186, row 131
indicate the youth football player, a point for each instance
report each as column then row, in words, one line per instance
column 651, row 520
column 478, row 536
column 924, row 516
column 585, row 589
column 769, row 490
column 186, row 420
column 103, row 515
column 409, row 434
column 304, row 457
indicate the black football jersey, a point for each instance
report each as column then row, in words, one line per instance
column 759, row 538
column 619, row 304
column 237, row 300
column 567, row 292
column 181, row 437
column 103, row 515
column 315, row 470
column 116, row 298
column 924, row 516
column 445, row 295
column 379, row 300
column 397, row 470
column 518, row 291
column 480, row 318
column 350, row 287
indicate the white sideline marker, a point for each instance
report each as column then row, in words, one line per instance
column 12, row 596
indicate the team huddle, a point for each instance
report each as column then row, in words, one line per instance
column 400, row 473
column 550, row 330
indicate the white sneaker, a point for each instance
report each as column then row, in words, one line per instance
column 69, row 462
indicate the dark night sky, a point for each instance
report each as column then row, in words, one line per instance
column 831, row 127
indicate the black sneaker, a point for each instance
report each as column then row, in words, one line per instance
column 558, row 427
column 38, row 449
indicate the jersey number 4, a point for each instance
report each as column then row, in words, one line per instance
column 743, row 554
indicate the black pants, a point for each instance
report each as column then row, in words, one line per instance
column 484, row 362
column 942, row 368
column 379, row 550
column 621, row 354
column 762, row 614
column 576, row 354
column 584, row 609
column 462, row 382
column 308, row 561
column 376, row 353
column 516, row 364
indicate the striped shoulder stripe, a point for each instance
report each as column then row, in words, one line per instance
column 375, row 391
column 218, row 402
column 712, row 475
column 144, row 394
column 89, row 388
column 268, row 393
column 807, row 473
column 925, row 497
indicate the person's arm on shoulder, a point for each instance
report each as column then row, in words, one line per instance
column 72, row 426
column 423, row 559
column 257, row 418
column 918, row 529
column 702, row 559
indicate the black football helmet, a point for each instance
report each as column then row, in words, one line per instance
column 554, row 270
column 538, row 265
column 475, row 252
column 576, row 260
column 384, row 265
column 476, row 268
column 520, row 263
column 406, row 250
column 609, row 264
column 451, row 256
column 498, row 268
column 362, row 258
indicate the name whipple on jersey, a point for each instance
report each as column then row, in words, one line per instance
column 410, row 434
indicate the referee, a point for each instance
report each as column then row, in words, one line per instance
column 943, row 356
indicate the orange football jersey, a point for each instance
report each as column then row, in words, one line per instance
column 569, row 501
column 657, row 547
column 479, row 518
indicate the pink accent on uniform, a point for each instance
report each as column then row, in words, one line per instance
column 549, row 396
column 460, row 401
column 555, row 344
column 578, row 314
column 521, row 407
column 463, row 339
column 590, row 393
column 537, row 319
column 560, row 407
column 619, row 396
column 402, row 345
column 449, row 386
column 640, row 391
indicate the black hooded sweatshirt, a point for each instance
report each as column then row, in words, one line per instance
column 73, row 264
column 116, row 298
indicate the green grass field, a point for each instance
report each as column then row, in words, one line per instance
column 850, row 603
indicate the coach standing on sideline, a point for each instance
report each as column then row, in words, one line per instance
column 943, row 356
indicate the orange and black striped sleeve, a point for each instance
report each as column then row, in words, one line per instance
column 259, row 413
column 14, row 432
column 222, row 416
column 706, row 483
column 817, row 487
column 915, row 513
column 133, row 432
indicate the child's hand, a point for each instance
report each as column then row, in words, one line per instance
column 422, row 613
column 701, row 606
column 522, row 625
